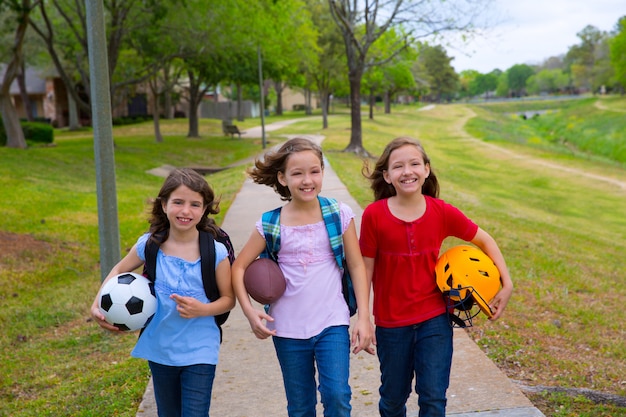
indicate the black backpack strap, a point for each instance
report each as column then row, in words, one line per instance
column 150, row 253
column 224, row 239
column 207, row 263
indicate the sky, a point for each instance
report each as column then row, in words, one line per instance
column 530, row 31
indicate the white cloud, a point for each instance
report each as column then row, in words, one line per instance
column 533, row 30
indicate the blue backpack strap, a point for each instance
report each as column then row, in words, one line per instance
column 332, row 220
column 271, row 230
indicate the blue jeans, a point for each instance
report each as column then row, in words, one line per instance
column 330, row 351
column 423, row 350
column 182, row 391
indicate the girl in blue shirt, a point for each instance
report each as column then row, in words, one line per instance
column 181, row 342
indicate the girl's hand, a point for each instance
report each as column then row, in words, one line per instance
column 363, row 336
column 99, row 318
column 255, row 318
column 499, row 302
column 188, row 307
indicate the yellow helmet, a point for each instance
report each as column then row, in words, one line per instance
column 467, row 277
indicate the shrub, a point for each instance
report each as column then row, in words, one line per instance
column 3, row 134
column 38, row 132
column 33, row 132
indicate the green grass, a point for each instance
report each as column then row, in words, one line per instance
column 562, row 231
column 570, row 127
column 563, row 234
column 55, row 362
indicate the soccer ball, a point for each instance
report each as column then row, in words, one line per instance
column 128, row 301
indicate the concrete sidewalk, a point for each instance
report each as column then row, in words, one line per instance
column 248, row 381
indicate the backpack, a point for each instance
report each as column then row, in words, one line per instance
column 207, row 264
column 332, row 220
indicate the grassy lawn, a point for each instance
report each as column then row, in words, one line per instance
column 547, row 189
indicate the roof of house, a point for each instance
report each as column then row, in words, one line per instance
column 35, row 81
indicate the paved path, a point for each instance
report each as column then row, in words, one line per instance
column 248, row 382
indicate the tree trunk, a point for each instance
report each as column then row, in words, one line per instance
column 356, row 141
column 239, row 103
column 324, row 98
column 15, row 134
column 168, row 109
column 193, row 120
column 155, row 111
column 308, row 107
column 21, row 82
column 12, row 127
column 278, row 87
column 387, row 102
column 74, row 122
column 194, row 101
column 372, row 100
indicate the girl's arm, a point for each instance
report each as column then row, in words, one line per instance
column 362, row 334
column 128, row 264
column 189, row 307
column 251, row 250
column 488, row 245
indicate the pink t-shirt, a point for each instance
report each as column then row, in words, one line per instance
column 313, row 299
column 405, row 254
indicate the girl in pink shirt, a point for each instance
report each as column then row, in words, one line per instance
column 401, row 234
column 309, row 323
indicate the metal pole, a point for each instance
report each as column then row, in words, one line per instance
column 262, row 101
column 108, row 228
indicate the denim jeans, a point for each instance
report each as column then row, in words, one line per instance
column 330, row 352
column 423, row 350
column 182, row 391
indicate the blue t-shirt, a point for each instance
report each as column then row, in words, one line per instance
column 170, row 339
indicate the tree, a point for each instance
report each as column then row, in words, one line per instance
column 618, row 53
column 582, row 58
column 63, row 28
column 18, row 16
column 517, row 76
column 503, row 90
column 547, row 81
column 363, row 23
column 289, row 42
column 467, row 87
column 398, row 77
column 485, row 83
column 330, row 64
column 440, row 75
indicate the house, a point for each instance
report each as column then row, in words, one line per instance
column 47, row 96
column 49, row 101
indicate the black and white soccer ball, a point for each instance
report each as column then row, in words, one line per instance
column 128, row 301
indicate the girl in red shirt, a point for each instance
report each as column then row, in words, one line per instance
column 401, row 235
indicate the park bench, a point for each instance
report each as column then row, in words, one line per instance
column 230, row 129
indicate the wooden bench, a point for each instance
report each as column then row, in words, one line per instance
column 230, row 129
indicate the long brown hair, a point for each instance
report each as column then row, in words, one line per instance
column 266, row 171
column 195, row 182
column 381, row 188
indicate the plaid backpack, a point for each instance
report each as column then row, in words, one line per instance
column 332, row 220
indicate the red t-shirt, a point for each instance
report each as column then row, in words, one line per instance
column 405, row 254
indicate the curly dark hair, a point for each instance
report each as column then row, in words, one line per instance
column 195, row 182
column 381, row 188
column 265, row 171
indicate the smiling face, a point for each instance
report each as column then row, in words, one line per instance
column 303, row 176
column 184, row 208
column 406, row 170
